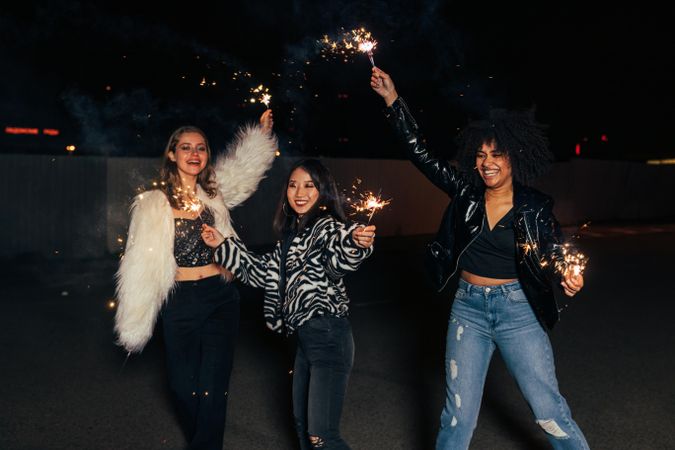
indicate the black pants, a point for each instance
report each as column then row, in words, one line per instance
column 201, row 321
column 323, row 361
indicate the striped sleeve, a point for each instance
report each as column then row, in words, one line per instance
column 341, row 253
column 249, row 268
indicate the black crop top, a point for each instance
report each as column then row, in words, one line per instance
column 189, row 248
column 493, row 253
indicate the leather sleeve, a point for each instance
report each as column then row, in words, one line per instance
column 438, row 171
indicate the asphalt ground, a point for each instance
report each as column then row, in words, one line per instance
column 64, row 384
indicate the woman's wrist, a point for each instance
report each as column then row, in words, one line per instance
column 389, row 99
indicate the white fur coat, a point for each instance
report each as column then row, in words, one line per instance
column 148, row 269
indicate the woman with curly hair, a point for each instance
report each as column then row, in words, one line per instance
column 502, row 238
column 167, row 270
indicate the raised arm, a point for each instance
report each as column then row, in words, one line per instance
column 248, row 157
column 438, row 171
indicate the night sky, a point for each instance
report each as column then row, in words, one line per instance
column 115, row 78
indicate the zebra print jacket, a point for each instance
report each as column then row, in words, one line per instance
column 318, row 258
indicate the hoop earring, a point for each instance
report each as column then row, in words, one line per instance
column 283, row 208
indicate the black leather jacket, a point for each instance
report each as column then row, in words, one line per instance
column 537, row 232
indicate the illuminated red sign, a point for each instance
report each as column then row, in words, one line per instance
column 20, row 130
column 32, row 131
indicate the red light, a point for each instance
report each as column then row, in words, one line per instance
column 50, row 131
column 577, row 150
column 20, row 130
column 603, row 138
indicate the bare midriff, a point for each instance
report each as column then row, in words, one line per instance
column 484, row 281
column 201, row 272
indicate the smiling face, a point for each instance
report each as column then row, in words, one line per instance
column 190, row 155
column 301, row 192
column 494, row 166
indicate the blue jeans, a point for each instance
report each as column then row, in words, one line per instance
column 484, row 318
column 323, row 362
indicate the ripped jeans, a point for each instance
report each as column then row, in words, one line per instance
column 323, row 363
column 484, row 318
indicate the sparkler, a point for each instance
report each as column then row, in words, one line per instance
column 357, row 40
column 572, row 261
column 189, row 201
column 366, row 201
column 261, row 94
column 366, row 43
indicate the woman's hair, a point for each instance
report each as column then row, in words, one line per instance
column 328, row 203
column 514, row 133
column 170, row 178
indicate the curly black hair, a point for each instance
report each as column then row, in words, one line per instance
column 517, row 134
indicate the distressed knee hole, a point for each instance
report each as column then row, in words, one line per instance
column 453, row 369
column 458, row 401
column 454, row 421
column 551, row 427
column 460, row 330
column 317, row 442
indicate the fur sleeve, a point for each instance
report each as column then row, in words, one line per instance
column 241, row 169
column 147, row 270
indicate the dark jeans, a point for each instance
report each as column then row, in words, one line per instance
column 323, row 362
column 201, row 321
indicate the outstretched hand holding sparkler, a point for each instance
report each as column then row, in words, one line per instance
column 364, row 237
column 382, row 83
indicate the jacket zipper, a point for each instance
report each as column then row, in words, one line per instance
column 482, row 224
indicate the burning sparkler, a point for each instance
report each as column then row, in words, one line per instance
column 190, row 202
column 366, row 43
column 261, row 94
column 572, row 262
column 365, row 202
column 351, row 42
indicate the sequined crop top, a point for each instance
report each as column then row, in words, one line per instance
column 189, row 248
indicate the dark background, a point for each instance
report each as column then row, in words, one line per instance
column 116, row 77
